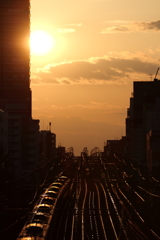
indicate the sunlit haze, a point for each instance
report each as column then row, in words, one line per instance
column 83, row 86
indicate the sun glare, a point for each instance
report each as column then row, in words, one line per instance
column 41, row 43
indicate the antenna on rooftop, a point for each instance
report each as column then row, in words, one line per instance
column 50, row 126
column 151, row 76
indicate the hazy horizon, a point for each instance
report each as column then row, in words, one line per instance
column 83, row 84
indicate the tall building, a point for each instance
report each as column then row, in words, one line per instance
column 143, row 116
column 3, row 136
column 15, row 92
column 47, row 145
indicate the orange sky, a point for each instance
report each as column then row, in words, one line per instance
column 84, row 84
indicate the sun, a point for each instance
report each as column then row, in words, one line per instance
column 41, row 43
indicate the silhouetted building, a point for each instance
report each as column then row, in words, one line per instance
column 33, row 142
column 113, row 146
column 3, row 136
column 15, row 92
column 47, row 145
column 153, row 152
column 142, row 117
column 61, row 152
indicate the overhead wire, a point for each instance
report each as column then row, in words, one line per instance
column 11, row 225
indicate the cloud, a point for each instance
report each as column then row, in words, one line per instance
column 57, row 107
column 105, row 107
column 108, row 108
column 66, row 30
column 75, row 24
column 34, row 99
column 109, row 69
column 145, row 26
column 115, row 29
column 132, row 27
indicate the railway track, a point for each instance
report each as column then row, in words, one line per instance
column 97, row 204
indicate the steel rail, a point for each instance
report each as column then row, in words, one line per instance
column 109, row 214
column 74, row 219
column 137, row 233
column 90, row 211
column 94, row 216
column 114, row 205
column 84, row 200
column 100, row 214
column 137, row 213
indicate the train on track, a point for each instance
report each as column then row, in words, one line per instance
column 39, row 219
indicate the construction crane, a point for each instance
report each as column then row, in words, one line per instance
column 156, row 73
